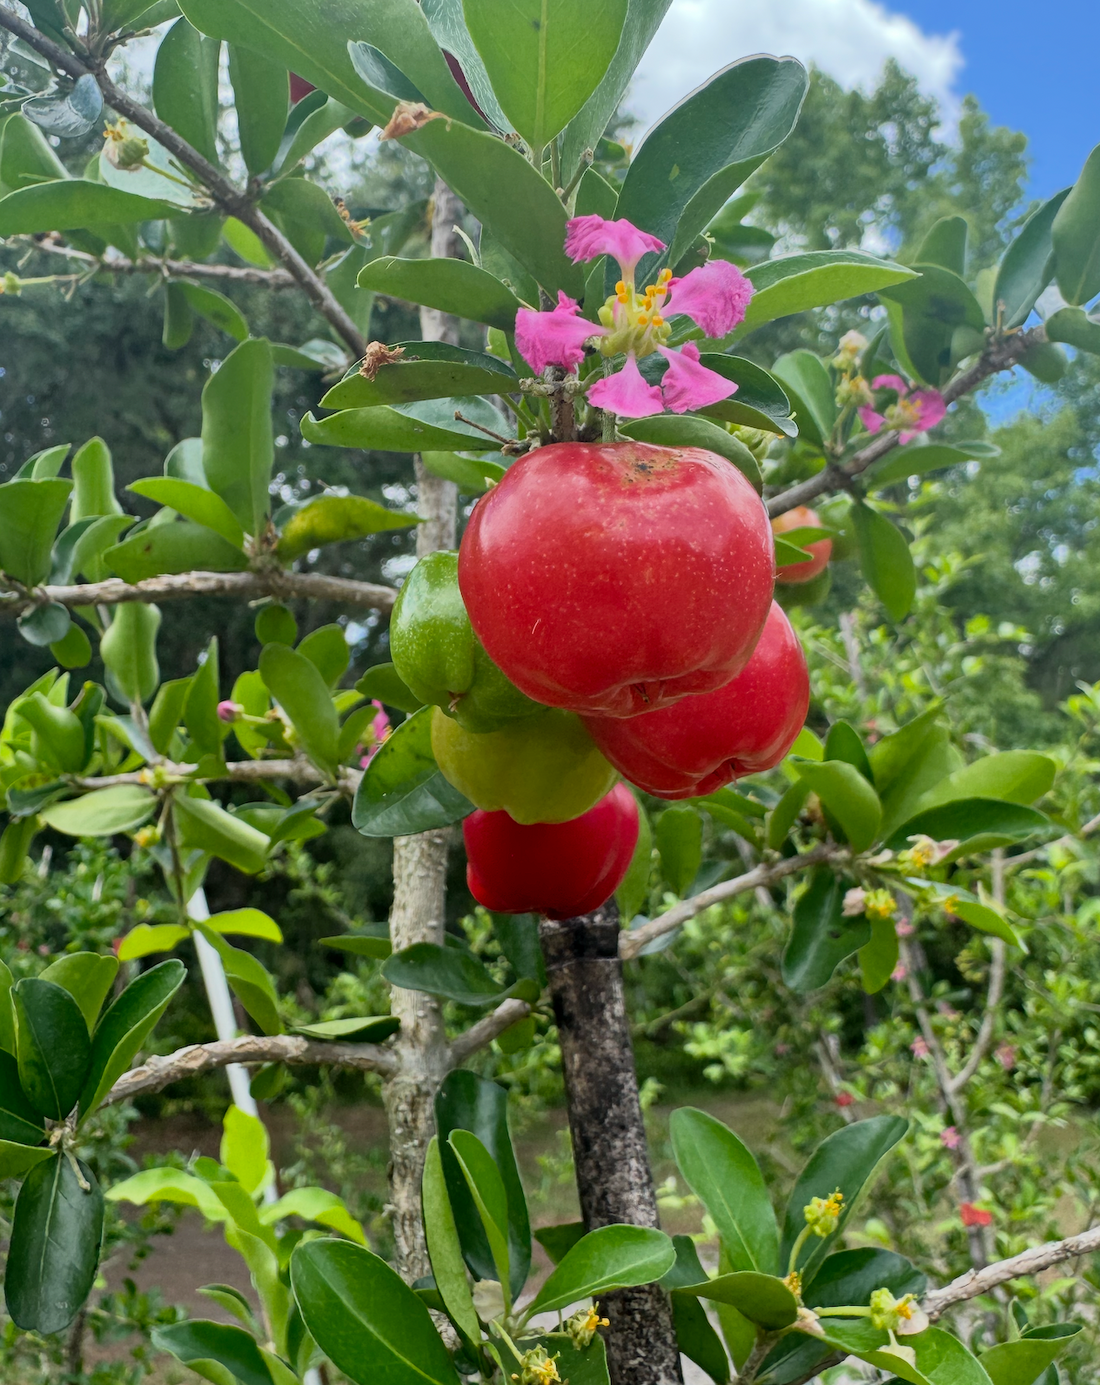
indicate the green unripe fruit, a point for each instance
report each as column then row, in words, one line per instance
column 58, row 733
column 129, row 650
column 543, row 769
column 441, row 660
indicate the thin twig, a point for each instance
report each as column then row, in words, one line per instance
column 164, row 266
column 1028, row 1262
column 297, row 771
column 482, row 1034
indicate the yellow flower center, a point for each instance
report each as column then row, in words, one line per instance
column 634, row 320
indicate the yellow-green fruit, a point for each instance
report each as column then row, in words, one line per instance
column 544, row 769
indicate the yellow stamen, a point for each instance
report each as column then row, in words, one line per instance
column 623, row 297
column 664, row 276
column 657, row 320
column 620, row 287
column 643, row 321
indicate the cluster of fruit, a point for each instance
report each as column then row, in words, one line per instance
column 610, row 612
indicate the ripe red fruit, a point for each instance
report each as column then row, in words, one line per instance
column 559, row 869
column 703, row 742
column 802, row 517
column 618, row 577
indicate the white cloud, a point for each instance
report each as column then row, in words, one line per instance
column 848, row 39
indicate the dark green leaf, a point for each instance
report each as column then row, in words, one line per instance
column 679, row 840
column 1076, row 236
column 427, row 425
column 402, row 790
column 19, row 1121
column 847, row 795
column 336, row 519
column 1022, row 1362
column 54, row 1251
column 761, row 1298
column 970, row 818
column 174, row 547
column 326, row 648
column 249, row 980
column 917, row 459
column 843, row 743
column 200, row 709
column 760, row 401
column 489, row 1195
column 383, row 683
column 1027, row 266
column 845, row 1160
column 52, row 1046
column 851, row 1276
column 931, row 309
column 303, row 693
column 785, row 812
column 893, row 754
column 1075, row 328
column 261, row 94
column 945, row 244
column 30, row 512
column 185, row 87
column 821, row 937
column 370, row 1030
column 428, row 370
column 557, row 1241
column 1045, row 361
column 812, row 394
column 815, row 279
column 72, row 204
column 695, row 1337
column 878, row 958
column 200, row 1343
column 213, row 306
column 87, row 977
column 610, row 1257
column 238, row 451
column 364, row 1317
column 443, row 971
column 452, row 286
column 125, row 1026
column 448, row 25
column 444, row 1247
column 689, row 430
column 45, row 625
column 886, row 561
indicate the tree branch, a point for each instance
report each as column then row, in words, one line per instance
column 225, row 194
column 298, row 771
column 482, row 1034
column 250, row 1049
column 1028, row 1262
column 152, row 264
column 312, row 586
column 630, row 944
column 1002, row 353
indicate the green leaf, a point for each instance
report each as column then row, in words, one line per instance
column 307, row 215
column 73, row 204
column 26, row 156
column 384, row 683
column 1023, row 1361
column 448, row 25
column 452, row 286
column 695, row 1337
column 762, row 1298
column 194, row 502
column 557, row 1241
column 175, row 547
column 815, row 279
column 149, row 938
column 544, row 58
column 427, row 425
column 450, row 972
column 262, row 96
column 689, row 430
column 472, row 475
column 1012, row 776
column 364, row 1317
column 246, row 923
column 848, row 796
column 897, row 753
column 54, row 1251
column 372, row 1029
column 783, row 815
column 316, row 1205
column 244, row 1148
column 52, row 1046
column 760, row 401
column 87, row 977
column 304, row 695
column 969, row 818
column 169, row 1185
column 821, row 937
column 679, row 840
column 945, row 244
column 428, row 370
column 878, row 958
column 917, row 459
column 125, row 1026
column 1045, row 361
column 1075, row 328
column 700, row 153
column 185, row 87
column 214, row 306
column 18, row 1159
column 932, row 309
column 851, row 1276
column 249, row 980
column 634, row 891
column 200, row 709
column 468, row 1102
column 845, row 1160
column 372, row 944
column 336, row 519
column 1076, row 236
column 199, row 1344
column 577, row 1365
column 611, row 1257
column 20, row 1122
column 843, row 743
column 812, row 393
column 402, row 790
column 725, row 1177
column 1027, row 266
column 886, row 561
column 30, row 512
column 489, row 1196
column 238, row 451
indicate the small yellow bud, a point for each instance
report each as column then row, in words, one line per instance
column 823, row 1213
column 537, row 1367
column 582, row 1326
column 11, row 284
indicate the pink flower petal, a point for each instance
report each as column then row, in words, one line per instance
column 891, row 382
column 871, row 420
column 688, row 385
column 932, row 408
column 626, row 393
column 556, row 337
column 715, row 295
column 586, row 237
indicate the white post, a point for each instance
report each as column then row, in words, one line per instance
column 221, row 1004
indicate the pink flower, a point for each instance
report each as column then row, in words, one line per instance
column 587, row 237
column 688, row 385
column 556, row 337
column 949, row 1138
column 714, row 295
column 627, row 393
column 378, row 731
column 904, row 928
column 900, row 972
column 229, row 711
column 919, row 1048
column 914, row 412
column 974, row 1216
column 843, row 1099
column 1006, row 1056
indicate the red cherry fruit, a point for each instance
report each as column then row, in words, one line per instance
column 617, row 577
column 299, row 87
column 802, row 517
column 559, row 869
column 704, row 742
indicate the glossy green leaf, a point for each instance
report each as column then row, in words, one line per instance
column 894, row 755
column 427, row 370
column 307, row 216
column 611, row 1257
column 762, row 1298
column 213, row 306
column 486, row 1186
column 371, row 1029
column 16, row 1159
column 845, row 1160
column 87, row 977
column 916, row 459
column 374, row 944
column 53, row 1255
column 760, row 401
column 125, row 1026
column 201, row 1344
column 427, row 425
column 249, row 980
column 303, row 693
column 557, row 1241
column 205, row 824
column 149, row 938
column 689, row 430
column 851, row 1276
column 725, row 1177
column 261, row 95
column 448, row 26
column 700, row 153
column 1075, row 328
column 848, row 796
column 169, row 1185
column 103, row 812
column 679, row 841
column 336, row 519
column 544, row 58
column 695, row 1336
column 1076, row 236
column 175, row 547
column 200, row 709
column 1046, row 361
column 450, row 972
column 821, row 936
column 238, row 451
column 1027, row 266
column 886, row 561
column 365, row 1319
column 945, row 244
column 20, row 1122
column 878, row 957
column 316, row 1205
column 1022, row 1362
column 843, row 743
column 26, row 156
column 402, row 790
column 73, row 204
column 472, row 475
column 30, row 512
column 812, row 394
column 1013, row 776
column 634, row 891
column 384, row 683
column 246, row 923
column 468, row 1102
column 932, row 308
column 194, row 502
column 185, row 87
column 783, row 816
column 970, row 818
column 452, row 286
column 326, row 648
column 815, row 279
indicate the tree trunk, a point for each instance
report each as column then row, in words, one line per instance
column 608, row 1129
column 419, row 876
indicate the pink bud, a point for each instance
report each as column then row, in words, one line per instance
column 919, row 1048
column 949, row 1138
column 844, row 1099
column 229, row 711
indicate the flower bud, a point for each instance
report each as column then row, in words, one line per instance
column 537, row 1367
column 125, row 151
column 11, row 283
column 582, row 1326
column 823, row 1213
column 230, row 711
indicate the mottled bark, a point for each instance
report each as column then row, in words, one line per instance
column 605, row 1119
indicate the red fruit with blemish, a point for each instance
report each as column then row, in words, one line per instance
column 614, row 578
column 559, row 869
column 802, row 517
column 704, row 742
